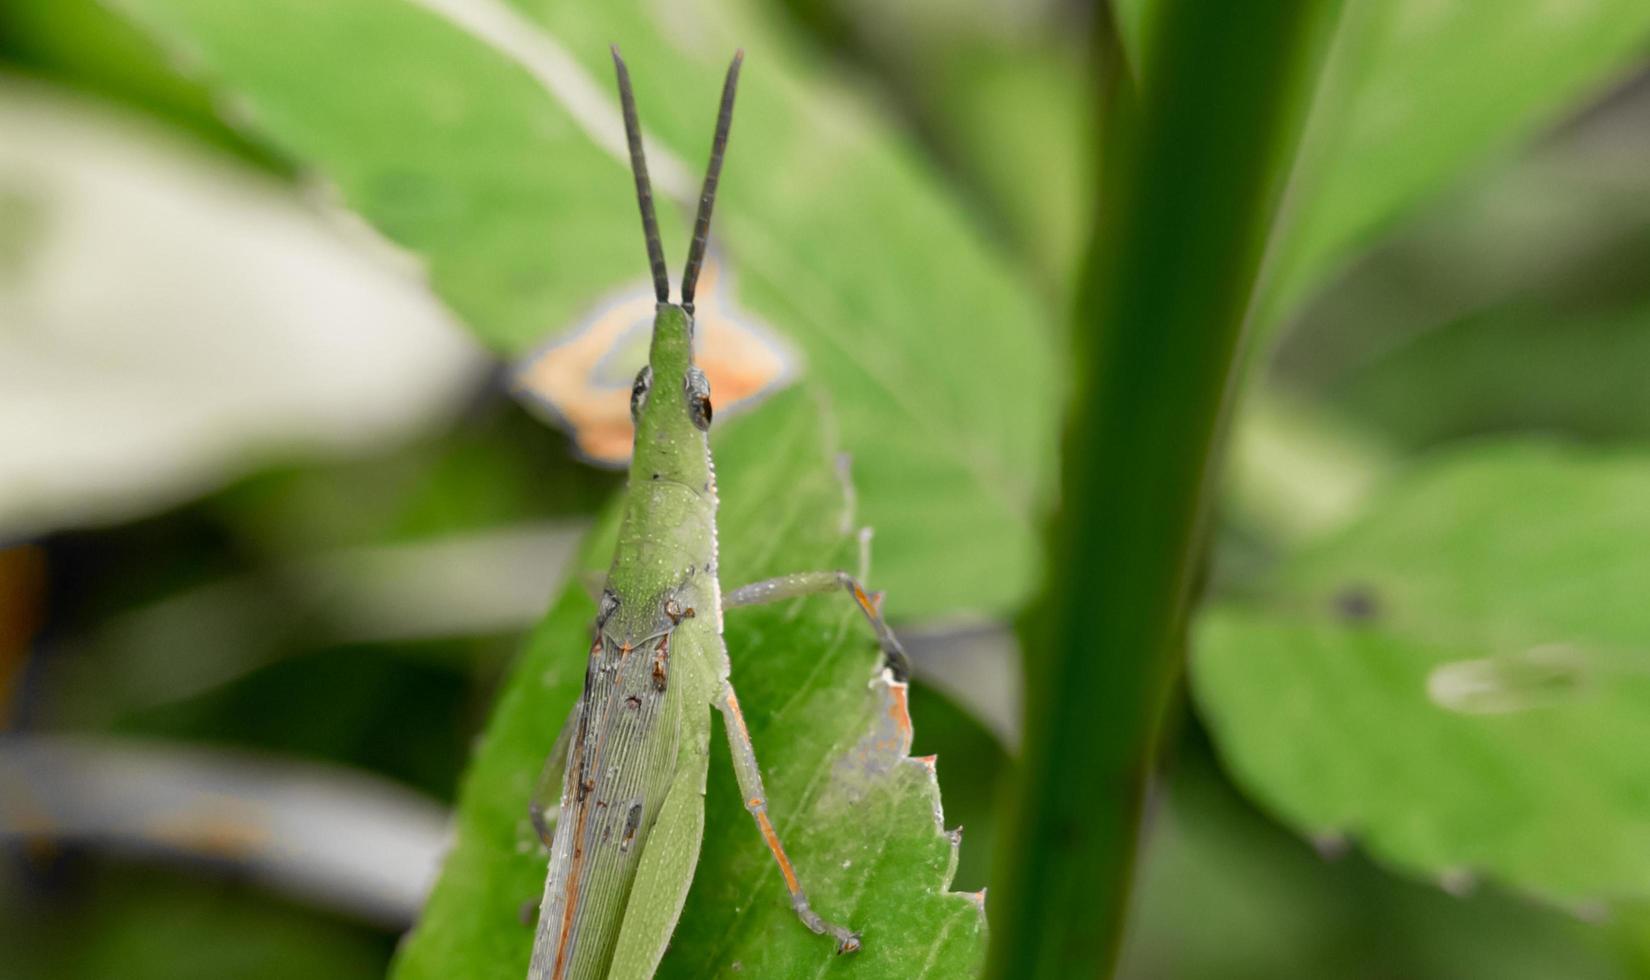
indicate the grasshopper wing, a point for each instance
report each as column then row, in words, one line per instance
column 638, row 745
column 666, row 868
column 545, row 808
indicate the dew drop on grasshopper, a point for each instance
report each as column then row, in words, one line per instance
column 632, row 759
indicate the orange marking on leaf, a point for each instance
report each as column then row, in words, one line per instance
column 899, row 709
column 583, row 378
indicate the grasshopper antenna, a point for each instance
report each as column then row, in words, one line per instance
column 713, row 173
column 644, row 189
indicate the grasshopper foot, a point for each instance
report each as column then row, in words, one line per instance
column 847, row 941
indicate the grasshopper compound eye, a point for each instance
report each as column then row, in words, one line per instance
column 698, row 398
column 638, row 392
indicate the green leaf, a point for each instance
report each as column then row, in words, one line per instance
column 1633, row 929
column 76, row 179
column 84, row 45
column 860, row 820
column 493, row 156
column 999, row 96
column 1420, row 92
column 1459, row 679
column 1506, row 370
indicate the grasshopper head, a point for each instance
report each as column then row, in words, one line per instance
column 670, row 402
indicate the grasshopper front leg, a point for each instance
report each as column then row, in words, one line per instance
column 799, row 584
column 756, row 803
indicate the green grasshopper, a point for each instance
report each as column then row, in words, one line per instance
column 627, row 831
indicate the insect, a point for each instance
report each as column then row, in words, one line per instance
column 627, row 830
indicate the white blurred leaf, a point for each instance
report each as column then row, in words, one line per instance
column 169, row 319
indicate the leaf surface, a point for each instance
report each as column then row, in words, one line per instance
column 1420, row 92
column 82, row 189
column 1460, row 679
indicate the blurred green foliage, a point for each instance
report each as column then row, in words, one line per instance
column 1461, row 259
column 94, row 918
column 85, row 45
column 1228, row 895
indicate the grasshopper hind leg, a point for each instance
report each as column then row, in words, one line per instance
column 756, row 803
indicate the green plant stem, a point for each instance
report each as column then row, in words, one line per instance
column 1198, row 151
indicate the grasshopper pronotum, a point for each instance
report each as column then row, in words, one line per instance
column 631, row 817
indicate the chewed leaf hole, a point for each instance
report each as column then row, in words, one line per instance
column 1542, row 676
